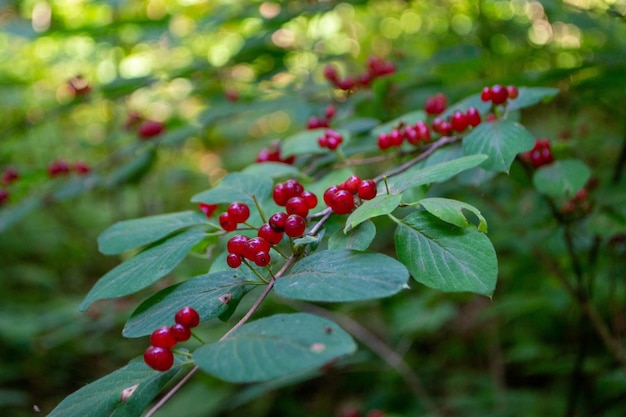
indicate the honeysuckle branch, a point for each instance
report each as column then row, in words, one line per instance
column 240, row 323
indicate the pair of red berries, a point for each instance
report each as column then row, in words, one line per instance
column 61, row 167
column 331, row 139
column 540, row 155
column 458, row 122
column 376, row 67
column 414, row 134
column 341, row 198
column 236, row 213
column 499, row 94
column 316, row 122
column 159, row 355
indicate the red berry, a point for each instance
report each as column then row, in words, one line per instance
column 81, row 168
column 233, row 260
column 436, row 104
column 342, row 202
column 188, row 317
column 254, row 246
column 238, row 212
column 315, row 122
column 411, row 134
column 295, row 226
column 396, row 137
column 473, row 116
column 485, row 95
column 322, row 141
column 351, row 184
column 4, row 195
column 262, row 258
column 207, row 209
column 58, row 167
column 442, row 127
column 333, row 139
column 422, row 130
column 365, row 79
column 149, row 129
column 296, row 205
column 277, row 221
column 512, row 91
column 367, row 189
column 458, row 121
column 293, row 188
column 498, row 94
column 330, row 111
column 9, row 175
column 227, row 223
column 236, row 244
column 309, row 198
column 329, row 193
column 162, row 337
column 346, row 84
column 268, row 233
column 181, row 333
column 267, row 155
column 158, row 358
column 384, row 141
column 330, row 73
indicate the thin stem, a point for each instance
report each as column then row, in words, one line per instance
column 259, row 208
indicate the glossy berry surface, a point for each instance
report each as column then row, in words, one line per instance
column 436, row 104
column 297, row 205
column 236, row 244
column 367, row 189
column 485, row 95
column 329, row 193
column 233, row 260
column 458, row 121
column 181, row 333
column 262, row 258
column 207, row 209
column 295, row 226
column 499, row 95
column 158, row 358
column 512, row 91
column 188, row 317
column 238, row 212
column 309, row 198
column 342, row 202
column 266, row 232
column 473, row 116
column 149, row 129
column 227, row 223
column 254, row 246
column 277, row 221
column 351, row 184
column 162, row 337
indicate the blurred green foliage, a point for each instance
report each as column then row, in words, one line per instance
column 178, row 61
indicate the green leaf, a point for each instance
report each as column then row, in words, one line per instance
column 343, row 275
column 143, row 269
column 358, row 238
column 407, row 119
column 501, row 140
column 133, row 171
column 561, row 178
column 211, row 295
column 14, row 213
column 103, row 398
column 130, row 234
column 236, row 187
column 272, row 170
column 529, row 96
column 273, row 347
column 379, row 206
column 451, row 211
column 440, row 172
column 445, row 257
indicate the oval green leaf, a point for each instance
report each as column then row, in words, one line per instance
column 379, row 206
column 561, row 178
column 343, row 275
column 123, row 393
column 501, row 141
column 143, row 269
column 358, row 238
column 451, row 211
column 276, row 346
column 445, row 257
column 418, row 175
column 237, row 187
column 130, row 234
column 211, row 295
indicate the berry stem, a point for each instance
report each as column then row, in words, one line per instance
column 198, row 338
column 245, row 261
column 258, row 207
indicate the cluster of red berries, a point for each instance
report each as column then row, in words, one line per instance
column 540, row 155
column 297, row 202
column 145, row 128
column 414, row 134
column 436, row 104
column 272, row 154
column 457, row 122
column 331, row 139
column 344, row 197
column 159, row 355
column 61, row 167
column 499, row 94
column 316, row 122
column 376, row 67
column 256, row 249
column 235, row 214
